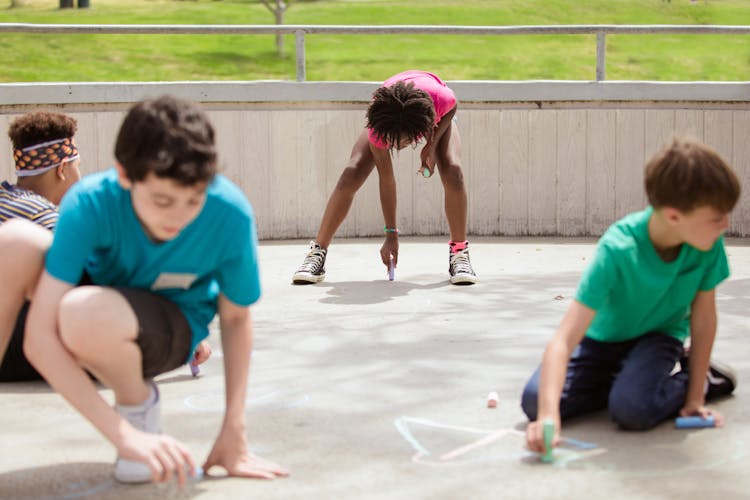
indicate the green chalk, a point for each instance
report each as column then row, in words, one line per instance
column 549, row 435
column 425, row 172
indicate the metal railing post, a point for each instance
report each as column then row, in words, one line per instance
column 601, row 56
column 299, row 39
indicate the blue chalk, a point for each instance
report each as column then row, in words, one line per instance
column 549, row 435
column 584, row 445
column 694, row 422
column 198, row 474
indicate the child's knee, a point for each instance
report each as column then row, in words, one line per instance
column 23, row 243
column 452, row 176
column 352, row 178
column 631, row 412
column 91, row 317
column 23, row 247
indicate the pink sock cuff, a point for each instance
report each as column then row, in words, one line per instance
column 457, row 246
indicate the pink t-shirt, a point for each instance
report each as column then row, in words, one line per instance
column 442, row 97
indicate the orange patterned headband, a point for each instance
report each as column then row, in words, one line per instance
column 37, row 159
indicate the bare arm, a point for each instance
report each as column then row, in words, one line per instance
column 427, row 155
column 702, row 334
column 230, row 449
column 554, row 368
column 388, row 201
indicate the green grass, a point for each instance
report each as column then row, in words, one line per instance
column 70, row 58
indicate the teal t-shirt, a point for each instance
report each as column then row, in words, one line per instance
column 634, row 292
column 98, row 232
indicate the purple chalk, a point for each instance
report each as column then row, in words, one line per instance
column 194, row 369
column 391, row 271
column 694, row 422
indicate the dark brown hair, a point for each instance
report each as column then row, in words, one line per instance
column 400, row 111
column 687, row 175
column 37, row 127
column 170, row 137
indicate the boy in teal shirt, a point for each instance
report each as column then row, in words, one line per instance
column 167, row 243
column 650, row 285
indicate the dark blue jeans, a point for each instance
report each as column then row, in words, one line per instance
column 632, row 379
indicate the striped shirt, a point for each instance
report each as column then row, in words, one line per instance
column 21, row 203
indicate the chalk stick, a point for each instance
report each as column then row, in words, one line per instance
column 194, row 369
column 584, row 445
column 492, row 400
column 198, row 473
column 391, row 270
column 694, row 422
column 548, row 432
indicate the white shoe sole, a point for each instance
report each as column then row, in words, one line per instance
column 301, row 279
column 463, row 279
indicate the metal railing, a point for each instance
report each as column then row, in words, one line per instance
column 299, row 31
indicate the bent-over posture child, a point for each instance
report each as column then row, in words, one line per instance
column 409, row 106
column 166, row 243
column 650, row 286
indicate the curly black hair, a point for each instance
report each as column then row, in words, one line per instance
column 399, row 112
column 170, row 137
column 37, row 127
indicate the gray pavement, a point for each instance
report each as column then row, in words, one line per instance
column 370, row 389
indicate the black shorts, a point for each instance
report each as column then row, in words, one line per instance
column 15, row 367
column 164, row 337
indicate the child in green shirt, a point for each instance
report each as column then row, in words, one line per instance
column 651, row 284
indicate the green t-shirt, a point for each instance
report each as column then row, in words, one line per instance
column 634, row 292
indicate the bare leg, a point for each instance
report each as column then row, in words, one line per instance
column 449, row 166
column 355, row 174
column 99, row 328
column 23, row 245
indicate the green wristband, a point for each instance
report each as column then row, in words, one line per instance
column 387, row 229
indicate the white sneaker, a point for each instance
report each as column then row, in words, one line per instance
column 145, row 417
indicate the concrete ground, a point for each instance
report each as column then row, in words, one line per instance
column 370, row 389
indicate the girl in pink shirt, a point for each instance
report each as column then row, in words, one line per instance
column 409, row 106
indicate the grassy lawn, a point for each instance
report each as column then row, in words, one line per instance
column 69, row 58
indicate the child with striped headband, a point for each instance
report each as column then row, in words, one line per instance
column 47, row 164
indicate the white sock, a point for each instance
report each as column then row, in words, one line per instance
column 149, row 401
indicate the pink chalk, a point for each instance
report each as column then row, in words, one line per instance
column 492, row 400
